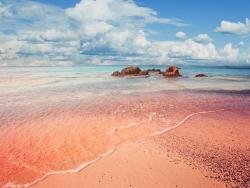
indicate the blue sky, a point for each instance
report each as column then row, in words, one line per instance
column 68, row 32
column 202, row 15
column 61, row 3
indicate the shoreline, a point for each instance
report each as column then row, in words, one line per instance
column 190, row 173
column 110, row 152
column 139, row 117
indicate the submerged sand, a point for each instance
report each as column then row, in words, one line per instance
column 208, row 154
column 166, row 139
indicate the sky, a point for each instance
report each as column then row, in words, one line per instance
column 107, row 32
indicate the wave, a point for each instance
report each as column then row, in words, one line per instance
column 74, row 170
column 158, row 133
column 109, row 152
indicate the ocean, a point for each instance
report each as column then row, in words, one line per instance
column 22, row 84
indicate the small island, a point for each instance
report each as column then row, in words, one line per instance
column 134, row 71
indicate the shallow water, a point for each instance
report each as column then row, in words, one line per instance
column 53, row 119
column 37, row 84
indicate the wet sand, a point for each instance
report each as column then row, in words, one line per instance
column 138, row 165
column 206, row 151
column 174, row 139
column 217, row 143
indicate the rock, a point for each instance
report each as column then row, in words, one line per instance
column 172, row 71
column 116, row 73
column 200, row 75
column 154, row 70
column 144, row 73
column 132, row 70
column 149, row 71
column 135, row 72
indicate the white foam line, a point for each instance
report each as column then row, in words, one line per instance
column 108, row 153
column 184, row 120
column 70, row 171
column 126, row 127
column 150, row 119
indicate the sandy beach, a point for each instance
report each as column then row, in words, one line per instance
column 192, row 139
column 206, row 151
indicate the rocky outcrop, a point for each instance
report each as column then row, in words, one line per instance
column 144, row 72
column 116, row 73
column 200, row 75
column 172, row 71
column 154, row 70
column 132, row 70
column 129, row 71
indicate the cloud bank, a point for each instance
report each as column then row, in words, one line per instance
column 238, row 28
column 97, row 32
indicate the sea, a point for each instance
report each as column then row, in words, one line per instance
column 26, row 84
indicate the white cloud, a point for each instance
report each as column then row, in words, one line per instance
column 4, row 10
column 94, row 28
column 29, row 15
column 116, row 11
column 238, row 28
column 248, row 59
column 117, row 28
column 97, row 32
column 180, row 35
column 189, row 49
column 58, row 35
column 51, row 35
column 229, row 53
column 111, row 30
column 203, row 38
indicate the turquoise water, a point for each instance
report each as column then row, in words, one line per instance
column 20, row 85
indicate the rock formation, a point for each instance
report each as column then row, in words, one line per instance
column 172, row 71
column 130, row 71
column 116, row 73
column 200, row 75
